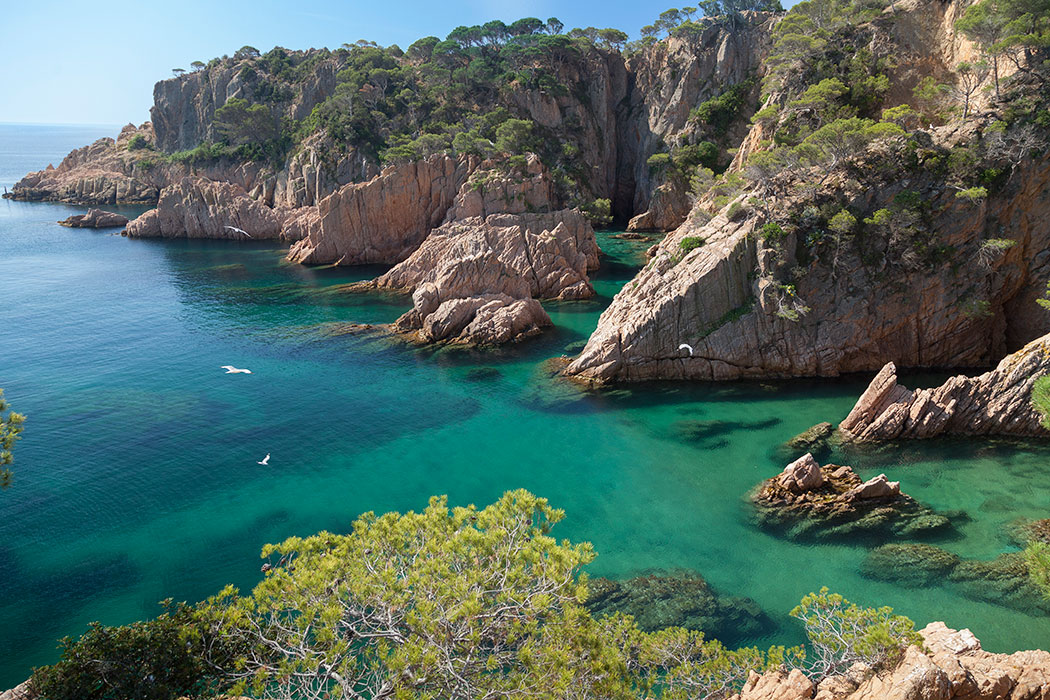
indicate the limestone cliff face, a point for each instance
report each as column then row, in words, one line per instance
column 998, row 402
column 201, row 208
column 385, row 219
column 953, row 666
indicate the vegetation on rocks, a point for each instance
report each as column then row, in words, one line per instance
column 450, row 602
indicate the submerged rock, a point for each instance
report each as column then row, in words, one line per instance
column 681, row 599
column 909, row 564
column 807, row 501
column 95, row 218
column 815, row 438
column 998, row 402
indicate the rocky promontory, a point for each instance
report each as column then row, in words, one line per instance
column 808, row 501
column 998, row 402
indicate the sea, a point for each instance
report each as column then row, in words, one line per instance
column 137, row 477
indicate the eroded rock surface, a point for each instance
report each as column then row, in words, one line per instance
column 95, row 218
column 998, row 402
column 200, row 208
column 385, row 219
column 953, row 666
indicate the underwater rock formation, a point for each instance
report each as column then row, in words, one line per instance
column 679, row 599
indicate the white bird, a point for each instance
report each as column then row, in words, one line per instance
column 230, row 369
column 266, row 460
column 238, row 230
column 687, row 347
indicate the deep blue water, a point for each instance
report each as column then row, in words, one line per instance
column 137, row 479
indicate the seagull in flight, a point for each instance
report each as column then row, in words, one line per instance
column 238, row 230
column 266, row 460
column 687, row 347
column 230, row 369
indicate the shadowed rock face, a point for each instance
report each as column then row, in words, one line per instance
column 998, row 402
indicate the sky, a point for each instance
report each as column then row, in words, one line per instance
column 78, row 62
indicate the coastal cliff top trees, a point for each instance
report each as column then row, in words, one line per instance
column 10, row 430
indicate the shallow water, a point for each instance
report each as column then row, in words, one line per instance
column 137, row 479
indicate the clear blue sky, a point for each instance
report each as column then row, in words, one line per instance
column 82, row 62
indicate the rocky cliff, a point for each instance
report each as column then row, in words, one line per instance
column 385, row 219
column 955, row 286
column 998, row 402
column 952, row 666
column 202, row 208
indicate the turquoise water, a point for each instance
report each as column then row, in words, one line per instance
column 137, row 479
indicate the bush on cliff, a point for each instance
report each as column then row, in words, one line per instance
column 169, row 657
column 455, row 603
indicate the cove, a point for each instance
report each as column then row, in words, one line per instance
column 137, row 479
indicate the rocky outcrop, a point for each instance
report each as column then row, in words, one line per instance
column 476, row 280
column 807, row 501
column 95, row 218
column 385, row 219
column 101, row 173
column 951, row 666
column 670, row 80
column 19, row 692
column 200, row 208
column 998, row 402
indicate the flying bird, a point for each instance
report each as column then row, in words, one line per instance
column 230, row 369
column 687, row 347
column 238, row 230
column 266, row 460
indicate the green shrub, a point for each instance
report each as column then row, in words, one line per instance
column 690, row 243
column 1037, row 558
column 161, row 659
column 772, row 232
column 1041, row 398
column 599, row 212
column 842, row 634
column 973, row 195
column 138, row 142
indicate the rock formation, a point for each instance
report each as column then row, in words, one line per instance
column 807, row 501
column 385, row 219
column 678, row 599
column 476, row 279
column 951, row 667
column 998, row 402
column 752, row 306
column 95, row 218
column 200, row 208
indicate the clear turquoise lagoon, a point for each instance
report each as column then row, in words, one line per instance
column 136, row 479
